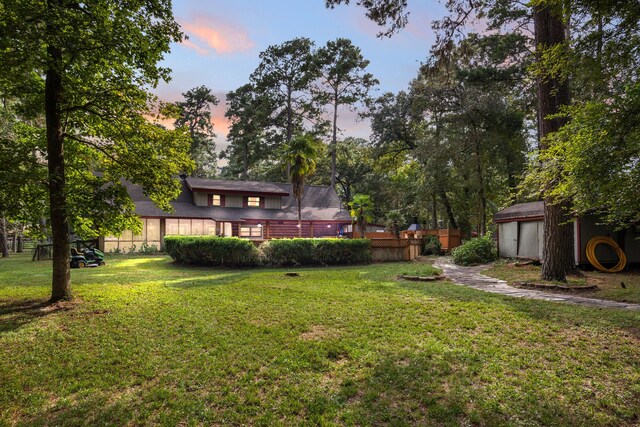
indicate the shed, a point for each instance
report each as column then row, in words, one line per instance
column 521, row 234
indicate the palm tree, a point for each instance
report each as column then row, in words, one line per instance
column 300, row 157
column 361, row 211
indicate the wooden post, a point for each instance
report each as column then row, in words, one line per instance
column 311, row 229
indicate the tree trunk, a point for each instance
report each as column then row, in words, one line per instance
column 434, row 210
column 552, row 95
column 245, row 161
column 20, row 247
column 447, row 208
column 61, row 281
column 3, row 238
column 334, row 140
column 300, row 217
column 481, row 193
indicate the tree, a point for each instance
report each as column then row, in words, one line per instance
column 361, row 211
column 94, row 62
column 284, row 77
column 354, row 167
column 248, row 113
column 299, row 155
column 194, row 113
column 342, row 81
column 552, row 93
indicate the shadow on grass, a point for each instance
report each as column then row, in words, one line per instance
column 14, row 314
column 538, row 310
column 429, row 389
column 223, row 278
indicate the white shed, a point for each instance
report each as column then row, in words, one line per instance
column 521, row 234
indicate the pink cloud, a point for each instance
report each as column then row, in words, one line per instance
column 191, row 45
column 222, row 36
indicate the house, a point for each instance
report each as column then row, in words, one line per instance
column 249, row 209
column 521, row 234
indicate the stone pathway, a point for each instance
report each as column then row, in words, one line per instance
column 471, row 277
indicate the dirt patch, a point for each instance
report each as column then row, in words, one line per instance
column 318, row 332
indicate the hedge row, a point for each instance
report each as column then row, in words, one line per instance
column 235, row 252
column 286, row 252
column 212, row 250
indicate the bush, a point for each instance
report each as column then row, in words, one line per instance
column 288, row 252
column 212, row 250
column 341, row 251
column 431, row 245
column 479, row 250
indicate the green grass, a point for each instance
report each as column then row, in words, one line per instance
column 609, row 287
column 149, row 342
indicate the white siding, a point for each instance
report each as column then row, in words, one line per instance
column 529, row 244
column 508, row 235
column 200, row 199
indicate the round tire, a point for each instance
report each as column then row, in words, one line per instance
column 82, row 264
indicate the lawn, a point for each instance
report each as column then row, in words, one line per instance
column 150, row 342
column 609, row 287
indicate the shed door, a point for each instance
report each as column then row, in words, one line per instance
column 508, row 235
column 529, row 245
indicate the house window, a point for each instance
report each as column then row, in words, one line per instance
column 253, row 202
column 251, row 231
column 216, row 200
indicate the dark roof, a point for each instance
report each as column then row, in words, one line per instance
column 520, row 211
column 318, row 204
column 252, row 187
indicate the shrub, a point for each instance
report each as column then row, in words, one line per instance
column 288, row 252
column 149, row 249
column 212, row 250
column 343, row 251
column 479, row 250
column 431, row 245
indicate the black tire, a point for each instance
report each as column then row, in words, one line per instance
column 82, row 264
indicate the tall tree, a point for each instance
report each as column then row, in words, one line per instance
column 284, row 76
column 553, row 95
column 195, row 114
column 248, row 112
column 97, row 60
column 342, row 81
column 300, row 156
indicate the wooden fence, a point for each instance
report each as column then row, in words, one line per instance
column 449, row 237
column 388, row 250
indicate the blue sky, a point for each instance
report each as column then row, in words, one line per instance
column 226, row 37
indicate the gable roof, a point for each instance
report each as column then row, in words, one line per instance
column 520, row 211
column 319, row 203
column 238, row 187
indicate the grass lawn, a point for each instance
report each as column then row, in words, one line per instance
column 150, row 342
column 609, row 287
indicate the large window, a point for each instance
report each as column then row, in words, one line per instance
column 216, row 200
column 251, row 231
column 253, row 202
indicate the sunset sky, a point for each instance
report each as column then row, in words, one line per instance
column 226, row 37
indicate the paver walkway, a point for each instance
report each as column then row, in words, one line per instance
column 471, row 277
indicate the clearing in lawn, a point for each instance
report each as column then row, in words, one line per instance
column 150, row 342
column 609, row 285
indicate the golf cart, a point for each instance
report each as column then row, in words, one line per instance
column 89, row 257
